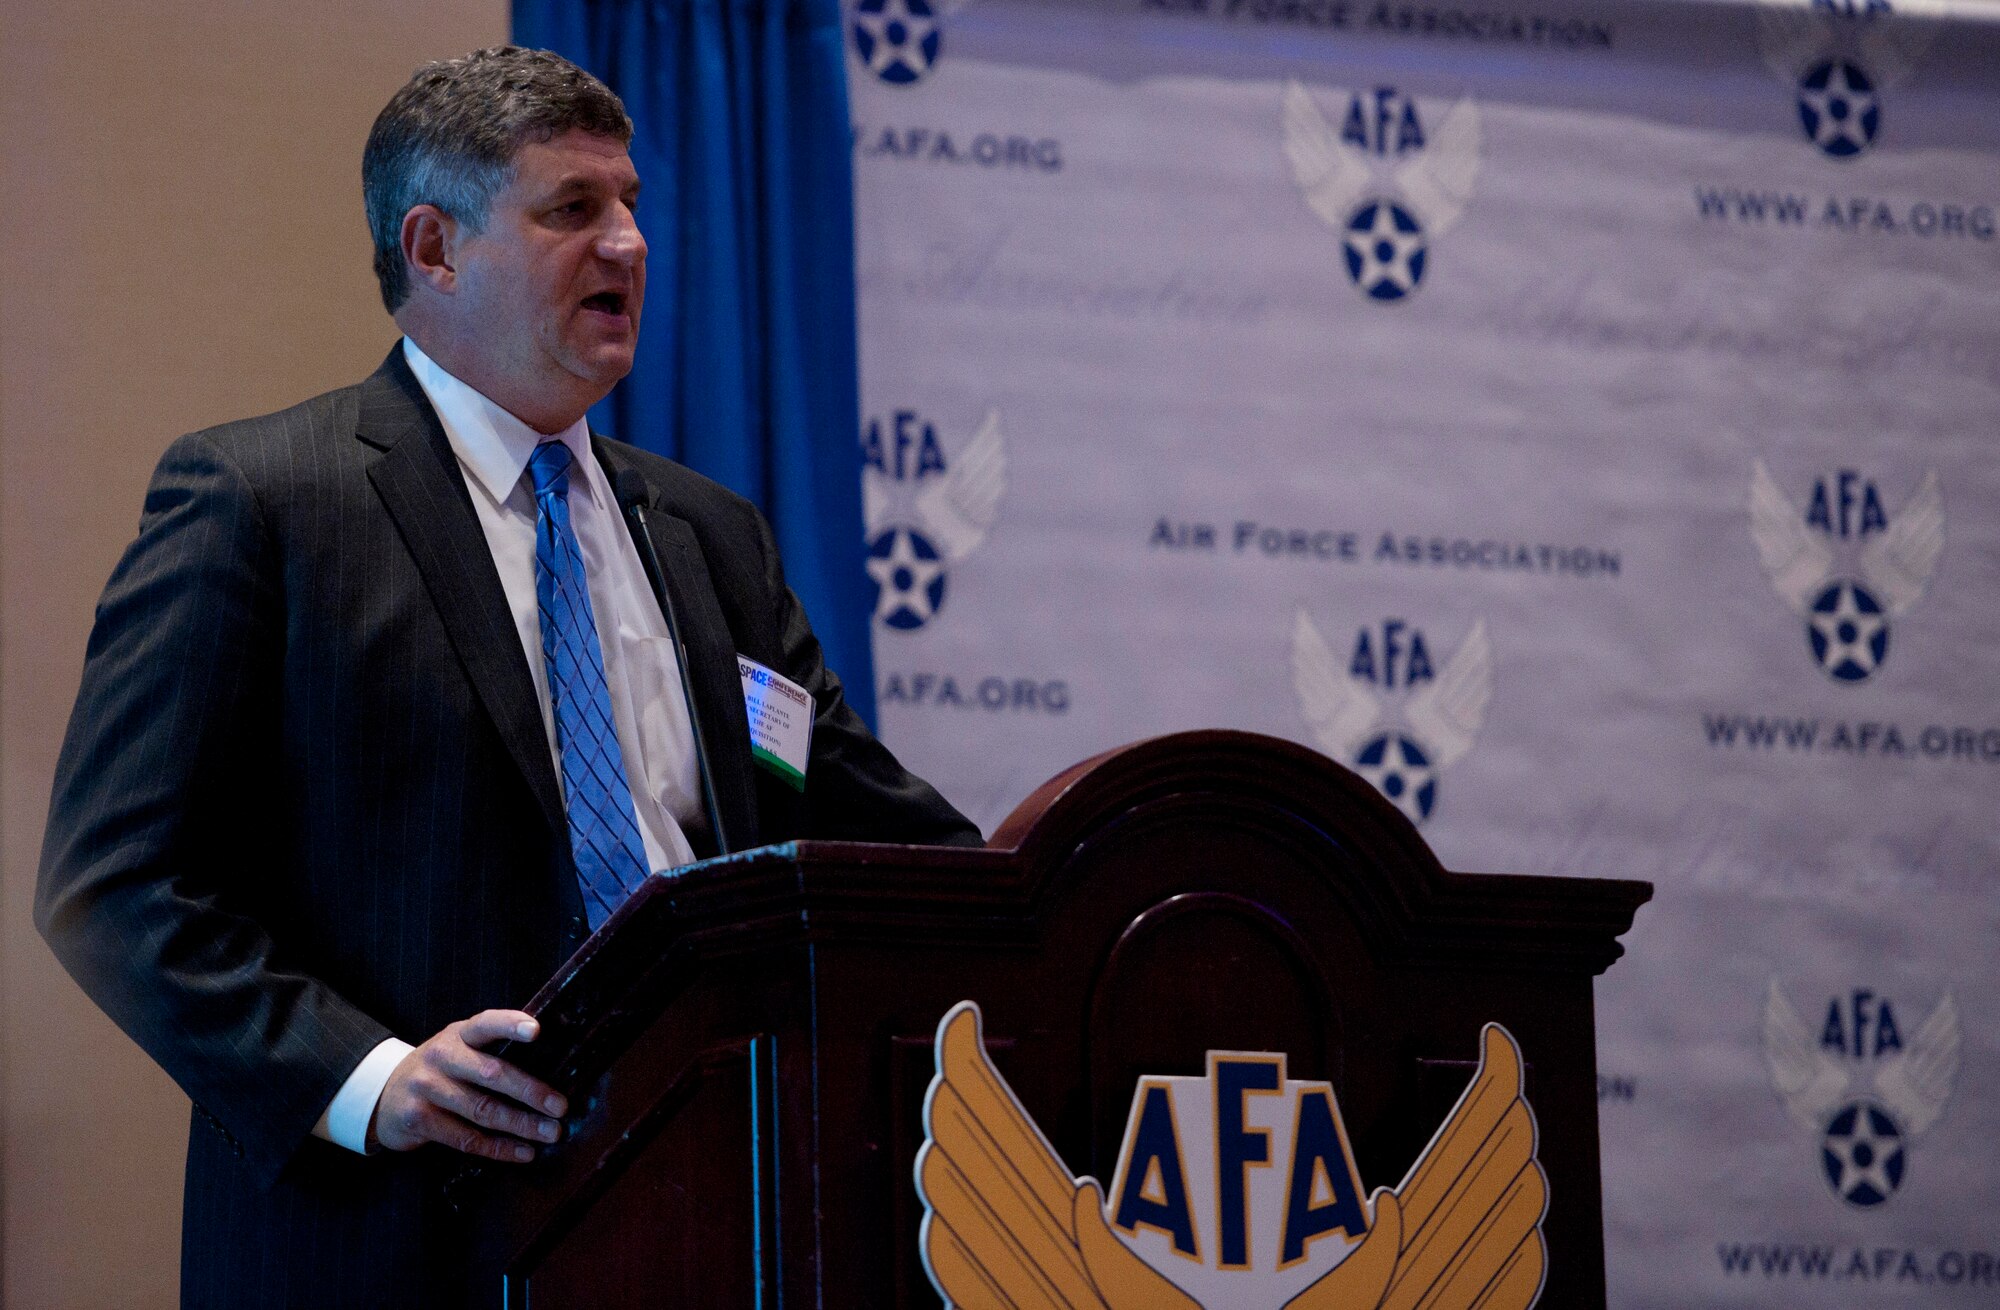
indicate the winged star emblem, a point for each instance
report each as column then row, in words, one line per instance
column 1863, row 1131
column 951, row 512
column 1847, row 619
column 1347, row 717
column 1839, row 64
column 1006, row 1225
column 1386, row 216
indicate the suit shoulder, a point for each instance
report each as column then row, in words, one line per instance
column 331, row 413
column 282, row 456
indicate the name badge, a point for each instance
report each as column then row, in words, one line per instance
column 781, row 720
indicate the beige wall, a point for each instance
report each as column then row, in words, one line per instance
column 182, row 243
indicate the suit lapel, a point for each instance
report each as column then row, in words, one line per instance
column 715, row 685
column 419, row 482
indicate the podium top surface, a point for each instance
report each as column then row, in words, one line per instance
column 1205, row 791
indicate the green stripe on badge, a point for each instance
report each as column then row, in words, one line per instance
column 779, row 767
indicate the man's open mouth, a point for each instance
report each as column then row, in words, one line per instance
column 606, row 302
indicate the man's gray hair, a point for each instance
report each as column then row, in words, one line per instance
column 449, row 138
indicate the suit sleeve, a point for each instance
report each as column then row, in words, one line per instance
column 154, row 851
column 858, row 790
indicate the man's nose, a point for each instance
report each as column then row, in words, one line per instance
column 621, row 241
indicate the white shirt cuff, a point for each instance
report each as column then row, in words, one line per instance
column 345, row 1120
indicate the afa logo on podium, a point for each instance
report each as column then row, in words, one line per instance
column 924, row 513
column 1845, row 565
column 1235, row 1190
column 1839, row 56
column 1865, row 1093
column 1389, row 183
column 1346, row 704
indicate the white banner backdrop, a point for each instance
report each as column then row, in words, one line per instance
column 1576, row 417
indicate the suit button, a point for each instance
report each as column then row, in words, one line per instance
column 576, row 925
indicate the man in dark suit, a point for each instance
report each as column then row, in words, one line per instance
column 379, row 715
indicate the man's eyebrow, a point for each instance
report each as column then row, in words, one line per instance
column 582, row 184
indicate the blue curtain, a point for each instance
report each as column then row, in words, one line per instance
column 747, row 355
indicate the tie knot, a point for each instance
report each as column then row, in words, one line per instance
column 549, row 467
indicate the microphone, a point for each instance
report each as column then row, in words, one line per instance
column 630, row 488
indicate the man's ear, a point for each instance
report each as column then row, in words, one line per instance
column 430, row 240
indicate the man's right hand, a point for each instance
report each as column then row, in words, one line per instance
column 448, row 1091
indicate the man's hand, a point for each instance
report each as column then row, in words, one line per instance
column 450, row 1092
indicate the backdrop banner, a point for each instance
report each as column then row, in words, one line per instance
column 1577, row 418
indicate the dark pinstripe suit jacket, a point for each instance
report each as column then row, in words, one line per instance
column 306, row 801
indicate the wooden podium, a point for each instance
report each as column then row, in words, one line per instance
column 747, row 1046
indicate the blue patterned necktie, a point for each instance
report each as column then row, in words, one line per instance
column 603, row 833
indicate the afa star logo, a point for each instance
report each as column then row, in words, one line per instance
column 1384, row 182
column 1839, row 56
column 1847, row 618
column 1864, row 1131
column 923, row 515
column 1441, row 713
column 898, row 41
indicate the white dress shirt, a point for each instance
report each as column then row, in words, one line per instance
column 647, row 706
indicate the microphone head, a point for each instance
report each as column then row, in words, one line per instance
column 630, row 488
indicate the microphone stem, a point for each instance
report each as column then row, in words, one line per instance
column 655, row 575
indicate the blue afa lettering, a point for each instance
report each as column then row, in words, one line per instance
column 1322, row 1191
column 1319, row 1156
column 1866, row 1029
column 1846, row 505
column 1382, row 124
column 1155, row 1194
column 1237, row 1147
column 1392, row 661
column 909, row 452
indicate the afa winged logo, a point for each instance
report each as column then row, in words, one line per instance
column 1441, row 717
column 924, row 515
column 1386, row 185
column 1864, row 1133
column 1006, row 1225
column 1847, row 619
column 1840, row 58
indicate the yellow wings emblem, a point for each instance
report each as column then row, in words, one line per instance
column 1006, row 1227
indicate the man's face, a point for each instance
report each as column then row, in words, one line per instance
column 548, row 294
